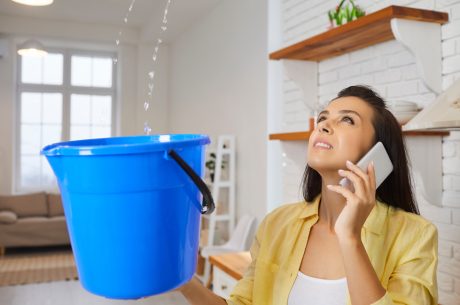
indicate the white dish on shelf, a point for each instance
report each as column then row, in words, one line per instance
column 404, row 116
column 401, row 106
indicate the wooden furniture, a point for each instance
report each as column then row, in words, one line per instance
column 305, row 135
column 228, row 269
column 363, row 32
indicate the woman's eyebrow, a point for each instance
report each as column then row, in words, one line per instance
column 341, row 112
column 350, row 111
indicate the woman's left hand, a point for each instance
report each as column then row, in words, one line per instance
column 359, row 203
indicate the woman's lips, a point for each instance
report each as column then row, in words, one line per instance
column 322, row 145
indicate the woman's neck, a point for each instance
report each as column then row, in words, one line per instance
column 331, row 204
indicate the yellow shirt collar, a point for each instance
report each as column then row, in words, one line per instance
column 374, row 221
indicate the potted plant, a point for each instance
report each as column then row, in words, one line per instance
column 211, row 165
column 343, row 14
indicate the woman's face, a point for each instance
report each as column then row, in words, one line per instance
column 344, row 132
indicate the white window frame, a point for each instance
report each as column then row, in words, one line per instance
column 66, row 89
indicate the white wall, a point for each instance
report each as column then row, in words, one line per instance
column 218, row 86
column 7, row 93
column 391, row 69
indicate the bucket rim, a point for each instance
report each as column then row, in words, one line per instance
column 124, row 145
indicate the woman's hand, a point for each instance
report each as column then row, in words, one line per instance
column 359, row 203
column 197, row 294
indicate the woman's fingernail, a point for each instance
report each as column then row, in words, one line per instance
column 329, row 186
column 341, row 171
column 349, row 162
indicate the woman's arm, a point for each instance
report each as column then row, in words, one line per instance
column 363, row 284
column 412, row 282
column 197, row 294
column 414, row 279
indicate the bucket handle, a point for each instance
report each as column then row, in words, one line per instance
column 208, row 203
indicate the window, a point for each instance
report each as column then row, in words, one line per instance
column 66, row 95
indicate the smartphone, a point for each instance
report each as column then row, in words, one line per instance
column 382, row 165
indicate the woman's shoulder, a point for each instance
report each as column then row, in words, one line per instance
column 285, row 214
column 409, row 221
column 288, row 209
column 280, row 223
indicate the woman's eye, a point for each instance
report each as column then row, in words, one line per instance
column 321, row 118
column 348, row 119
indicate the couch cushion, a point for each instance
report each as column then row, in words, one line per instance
column 8, row 217
column 25, row 205
column 55, row 207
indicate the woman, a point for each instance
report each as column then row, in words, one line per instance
column 365, row 246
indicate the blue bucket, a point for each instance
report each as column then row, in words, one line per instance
column 133, row 206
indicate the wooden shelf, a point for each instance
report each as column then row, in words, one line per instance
column 290, row 136
column 363, row 32
column 305, row 135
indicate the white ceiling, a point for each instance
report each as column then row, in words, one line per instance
column 147, row 15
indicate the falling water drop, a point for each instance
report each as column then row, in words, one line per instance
column 131, row 5
column 147, row 129
column 151, row 74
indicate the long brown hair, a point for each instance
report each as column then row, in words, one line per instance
column 396, row 189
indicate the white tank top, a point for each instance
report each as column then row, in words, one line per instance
column 310, row 290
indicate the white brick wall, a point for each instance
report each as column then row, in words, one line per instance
column 391, row 70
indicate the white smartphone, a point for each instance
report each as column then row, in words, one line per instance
column 382, row 165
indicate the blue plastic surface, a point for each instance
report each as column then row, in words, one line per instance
column 133, row 215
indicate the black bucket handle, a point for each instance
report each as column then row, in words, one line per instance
column 208, row 202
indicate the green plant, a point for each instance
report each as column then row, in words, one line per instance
column 343, row 14
column 211, row 165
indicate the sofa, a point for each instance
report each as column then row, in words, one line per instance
column 32, row 220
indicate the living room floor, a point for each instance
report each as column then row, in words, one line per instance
column 72, row 293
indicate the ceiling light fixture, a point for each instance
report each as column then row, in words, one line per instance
column 34, row 2
column 31, row 47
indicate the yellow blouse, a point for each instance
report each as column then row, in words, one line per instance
column 402, row 247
